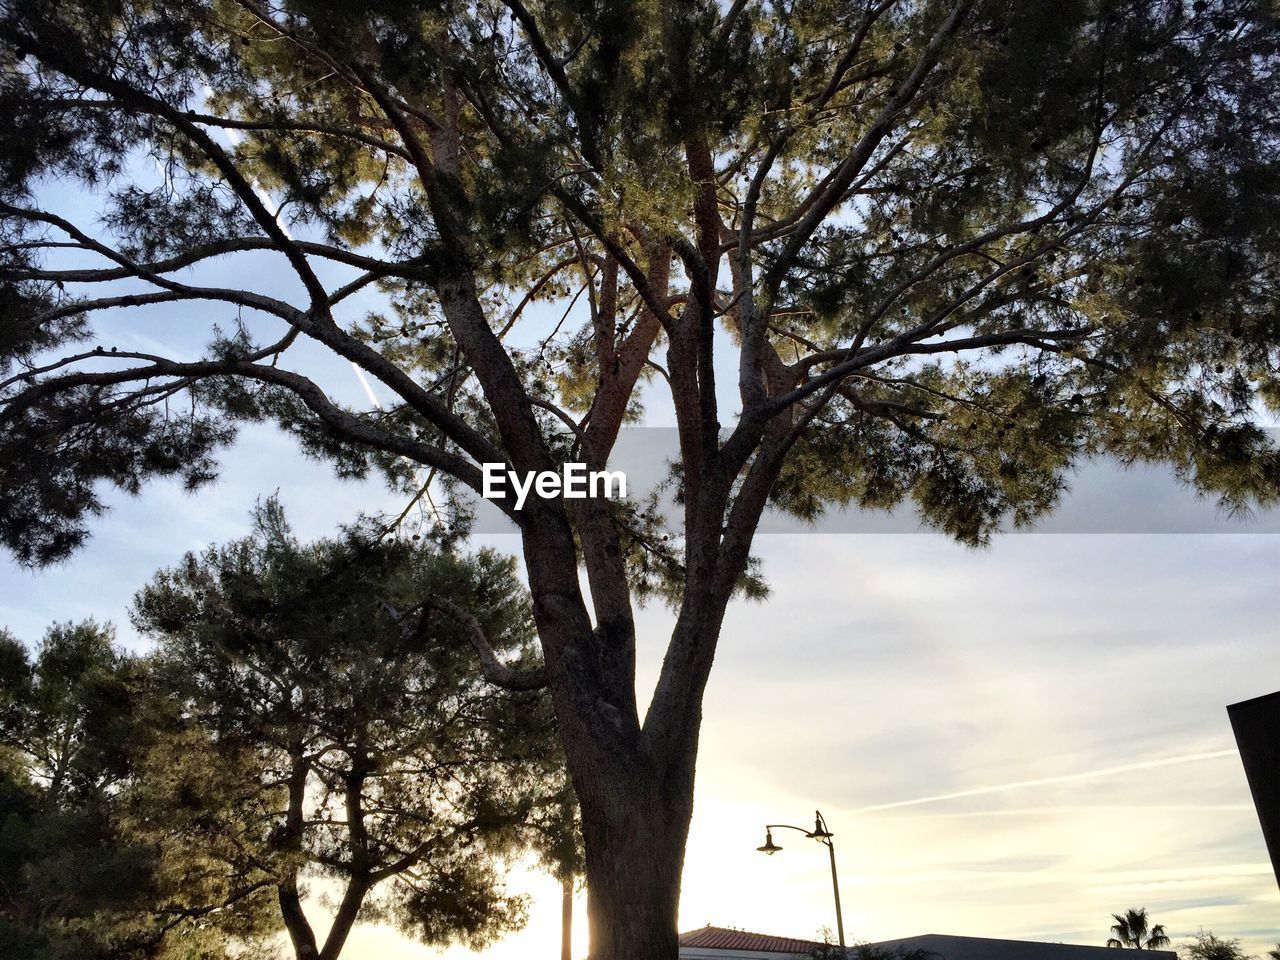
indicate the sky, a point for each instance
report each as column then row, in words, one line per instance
column 1012, row 742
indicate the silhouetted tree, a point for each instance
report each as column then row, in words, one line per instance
column 75, row 884
column 1132, row 929
column 559, row 847
column 69, row 713
column 324, row 729
column 867, row 951
column 865, row 251
column 1207, row 946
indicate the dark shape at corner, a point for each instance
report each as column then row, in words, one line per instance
column 1257, row 727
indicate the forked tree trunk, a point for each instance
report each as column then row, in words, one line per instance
column 634, row 782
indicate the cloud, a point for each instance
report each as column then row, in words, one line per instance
column 1043, row 781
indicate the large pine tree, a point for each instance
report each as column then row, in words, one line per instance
column 938, row 252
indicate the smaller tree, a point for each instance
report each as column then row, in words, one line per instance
column 1207, row 946
column 557, row 834
column 828, row 950
column 74, row 885
column 69, row 712
column 1133, row 929
column 332, row 721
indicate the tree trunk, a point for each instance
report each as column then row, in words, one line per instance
column 634, row 782
column 345, row 918
column 295, row 920
column 566, row 918
column 633, row 889
column 634, row 832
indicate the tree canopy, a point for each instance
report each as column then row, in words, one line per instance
column 1209, row 946
column 69, row 713
column 321, row 730
column 302, row 720
column 1089, row 236
column 1133, row 929
column 77, row 882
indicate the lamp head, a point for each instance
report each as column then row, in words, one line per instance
column 820, row 831
column 769, row 846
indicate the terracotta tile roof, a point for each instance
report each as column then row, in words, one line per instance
column 724, row 939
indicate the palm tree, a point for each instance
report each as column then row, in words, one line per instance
column 1132, row 930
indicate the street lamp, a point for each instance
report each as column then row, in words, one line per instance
column 823, row 836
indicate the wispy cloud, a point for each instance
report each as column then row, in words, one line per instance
column 1064, row 778
column 1078, row 808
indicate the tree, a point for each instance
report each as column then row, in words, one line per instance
column 867, row 951
column 1132, row 929
column 70, row 714
column 74, row 881
column 71, row 886
column 863, row 252
column 1274, row 954
column 322, row 728
column 1207, row 946
column 559, row 846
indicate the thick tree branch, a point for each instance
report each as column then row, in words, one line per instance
column 59, row 52
column 587, row 141
column 495, row 671
column 344, row 424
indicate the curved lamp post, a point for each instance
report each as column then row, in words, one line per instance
column 823, row 836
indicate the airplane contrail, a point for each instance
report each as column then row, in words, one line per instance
column 1017, row 784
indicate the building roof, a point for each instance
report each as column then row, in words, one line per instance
column 722, row 938
column 948, row 947
column 711, row 942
